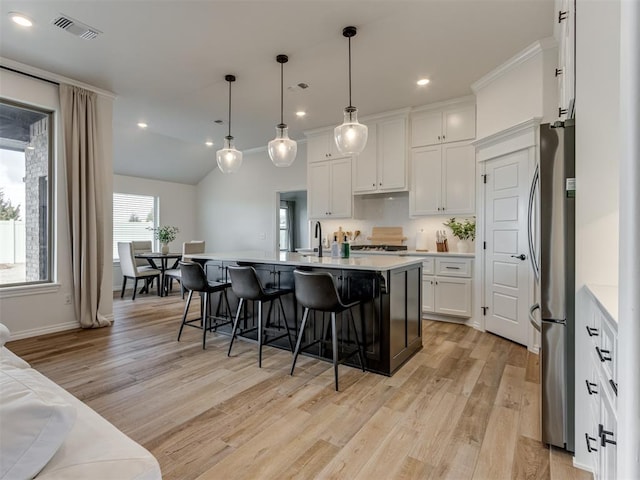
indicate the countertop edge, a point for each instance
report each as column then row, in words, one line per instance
column 606, row 296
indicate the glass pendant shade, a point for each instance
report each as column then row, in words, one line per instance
column 351, row 136
column 229, row 159
column 282, row 150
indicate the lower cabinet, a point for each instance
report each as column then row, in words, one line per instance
column 596, row 390
column 447, row 286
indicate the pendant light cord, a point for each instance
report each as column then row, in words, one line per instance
column 350, row 72
column 229, row 108
column 282, row 94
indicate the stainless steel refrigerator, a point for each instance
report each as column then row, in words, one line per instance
column 551, row 245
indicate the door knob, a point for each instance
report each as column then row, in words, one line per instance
column 522, row 256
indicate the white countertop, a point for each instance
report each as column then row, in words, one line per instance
column 607, row 298
column 359, row 262
column 414, row 253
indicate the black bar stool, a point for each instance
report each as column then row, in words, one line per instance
column 194, row 279
column 246, row 286
column 318, row 291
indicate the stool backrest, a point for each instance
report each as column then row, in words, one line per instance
column 193, row 277
column 316, row 290
column 245, row 283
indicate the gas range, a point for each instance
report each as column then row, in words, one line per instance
column 379, row 248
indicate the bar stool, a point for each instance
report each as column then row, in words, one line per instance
column 194, row 279
column 318, row 291
column 247, row 286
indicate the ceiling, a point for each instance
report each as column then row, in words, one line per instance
column 166, row 62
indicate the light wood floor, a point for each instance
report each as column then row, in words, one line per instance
column 466, row 406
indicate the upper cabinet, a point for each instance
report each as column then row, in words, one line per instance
column 382, row 166
column 565, row 70
column 329, row 189
column 322, row 146
column 449, row 124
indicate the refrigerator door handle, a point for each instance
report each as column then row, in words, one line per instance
column 532, row 251
column 532, row 319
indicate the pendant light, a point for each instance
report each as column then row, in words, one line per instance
column 351, row 136
column 282, row 150
column 229, row 159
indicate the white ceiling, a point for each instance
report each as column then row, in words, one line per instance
column 166, row 61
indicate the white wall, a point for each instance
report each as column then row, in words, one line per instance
column 597, row 141
column 237, row 212
column 522, row 88
column 177, row 202
column 30, row 311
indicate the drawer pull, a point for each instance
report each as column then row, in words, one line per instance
column 591, row 387
column 593, row 332
column 452, row 268
column 614, row 386
column 605, row 355
column 602, row 433
column 589, row 439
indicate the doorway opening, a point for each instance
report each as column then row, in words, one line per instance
column 292, row 221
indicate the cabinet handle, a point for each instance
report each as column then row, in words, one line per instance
column 589, row 439
column 452, row 268
column 443, row 137
column 438, row 137
column 605, row 355
column 373, row 184
column 562, row 16
column 614, row 386
column 593, row 332
column 558, row 71
column 380, row 183
column 562, row 111
column 602, row 433
column 591, row 387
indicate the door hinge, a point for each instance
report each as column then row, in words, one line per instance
column 484, row 178
column 484, row 245
column 484, row 311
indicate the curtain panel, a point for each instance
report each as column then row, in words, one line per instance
column 85, row 202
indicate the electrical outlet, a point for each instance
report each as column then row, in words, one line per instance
column 67, row 299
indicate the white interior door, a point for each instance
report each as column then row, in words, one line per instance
column 506, row 258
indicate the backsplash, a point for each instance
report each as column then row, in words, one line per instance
column 390, row 210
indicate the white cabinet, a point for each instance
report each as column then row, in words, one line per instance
column 450, row 124
column 382, row 166
column 322, row 146
column 565, row 33
column 329, row 189
column 447, row 286
column 443, row 180
column 596, row 390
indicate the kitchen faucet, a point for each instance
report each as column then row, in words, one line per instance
column 319, row 237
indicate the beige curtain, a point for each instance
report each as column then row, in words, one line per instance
column 85, row 201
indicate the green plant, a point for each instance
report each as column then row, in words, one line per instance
column 463, row 230
column 166, row 233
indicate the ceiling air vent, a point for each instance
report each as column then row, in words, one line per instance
column 75, row 27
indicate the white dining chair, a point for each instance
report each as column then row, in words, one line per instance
column 131, row 270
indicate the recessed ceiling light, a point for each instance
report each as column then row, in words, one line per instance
column 300, row 113
column 21, row 19
column 423, row 81
column 142, row 125
column 209, row 143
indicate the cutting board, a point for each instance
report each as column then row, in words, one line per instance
column 387, row 236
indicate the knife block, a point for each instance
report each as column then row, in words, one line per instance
column 442, row 246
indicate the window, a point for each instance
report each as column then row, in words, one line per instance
column 284, row 229
column 25, row 194
column 133, row 218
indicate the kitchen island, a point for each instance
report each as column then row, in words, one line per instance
column 388, row 287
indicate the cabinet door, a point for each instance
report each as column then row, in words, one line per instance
column 426, row 128
column 459, row 179
column 428, row 284
column 426, row 181
column 318, row 186
column 365, row 165
column 453, row 296
column 459, row 123
column 392, row 156
column 341, row 199
column 318, row 147
column 607, row 454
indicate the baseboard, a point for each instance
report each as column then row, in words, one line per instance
column 444, row 318
column 582, row 466
column 35, row 332
column 535, row 349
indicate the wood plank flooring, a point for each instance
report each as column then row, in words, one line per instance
column 465, row 407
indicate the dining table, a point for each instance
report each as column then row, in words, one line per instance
column 160, row 261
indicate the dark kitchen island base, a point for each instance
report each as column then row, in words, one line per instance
column 387, row 320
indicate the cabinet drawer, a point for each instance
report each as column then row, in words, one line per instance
column 428, row 266
column 453, row 267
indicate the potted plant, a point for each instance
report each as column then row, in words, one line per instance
column 165, row 235
column 464, row 231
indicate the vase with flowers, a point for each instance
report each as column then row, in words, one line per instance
column 464, row 231
column 165, row 235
